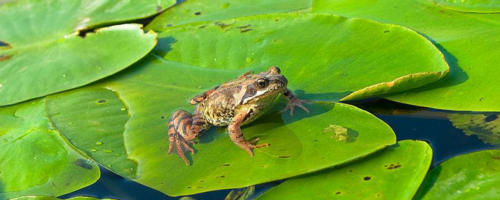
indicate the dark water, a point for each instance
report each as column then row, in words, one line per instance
column 408, row 122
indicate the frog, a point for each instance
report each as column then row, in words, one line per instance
column 232, row 104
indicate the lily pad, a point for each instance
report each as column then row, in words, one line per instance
column 334, row 58
column 202, row 11
column 42, row 52
column 468, row 40
column 394, row 173
column 154, row 88
column 470, row 176
column 476, row 6
column 485, row 126
column 35, row 159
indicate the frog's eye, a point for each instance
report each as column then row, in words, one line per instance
column 262, row 83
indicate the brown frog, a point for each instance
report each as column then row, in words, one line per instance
column 231, row 104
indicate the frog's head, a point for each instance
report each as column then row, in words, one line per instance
column 265, row 85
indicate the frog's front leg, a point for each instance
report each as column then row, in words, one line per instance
column 236, row 135
column 293, row 101
column 183, row 129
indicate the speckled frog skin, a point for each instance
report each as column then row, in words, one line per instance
column 231, row 104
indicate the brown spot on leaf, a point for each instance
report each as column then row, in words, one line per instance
column 102, row 101
column 221, row 176
column 496, row 157
column 4, row 57
column 284, row 156
column 226, row 165
column 245, row 30
column 222, row 25
column 245, row 26
column 197, row 13
column 337, row 193
column 387, row 31
column 393, row 166
column 367, row 178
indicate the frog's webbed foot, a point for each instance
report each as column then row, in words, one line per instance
column 293, row 101
column 248, row 146
column 236, row 135
column 182, row 130
column 182, row 145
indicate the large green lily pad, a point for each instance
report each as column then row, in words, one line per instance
column 35, row 159
column 153, row 89
column 334, row 57
column 485, row 126
column 471, row 176
column 202, row 11
column 41, row 52
column 468, row 40
column 394, row 173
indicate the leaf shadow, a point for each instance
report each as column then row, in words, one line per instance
column 163, row 46
column 329, row 96
column 457, row 74
column 428, row 183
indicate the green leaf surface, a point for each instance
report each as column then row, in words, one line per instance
column 394, row 173
column 35, row 159
column 485, row 126
column 202, row 11
column 42, row 52
column 471, row 176
column 334, row 58
column 468, row 40
column 154, row 88
column 53, row 198
column 475, row 6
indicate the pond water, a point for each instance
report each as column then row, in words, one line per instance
column 408, row 122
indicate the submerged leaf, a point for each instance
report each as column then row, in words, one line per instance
column 485, row 126
column 241, row 194
column 394, row 173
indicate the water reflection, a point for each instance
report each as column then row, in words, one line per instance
column 447, row 139
column 485, row 126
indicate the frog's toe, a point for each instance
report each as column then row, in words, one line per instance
column 182, row 145
column 297, row 102
column 251, row 145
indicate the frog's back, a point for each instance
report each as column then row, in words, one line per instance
column 219, row 108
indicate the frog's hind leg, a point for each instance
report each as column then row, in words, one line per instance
column 183, row 129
